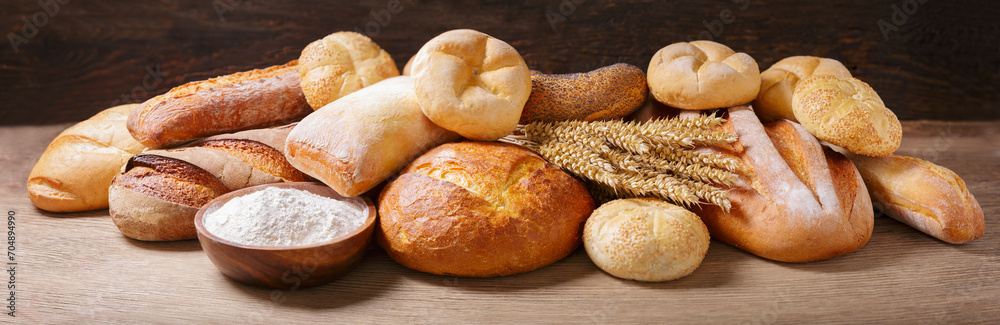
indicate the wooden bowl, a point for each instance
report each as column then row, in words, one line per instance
column 287, row 267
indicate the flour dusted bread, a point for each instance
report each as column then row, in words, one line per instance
column 236, row 102
column 342, row 63
column 923, row 195
column 795, row 201
column 481, row 209
column 702, row 75
column 158, row 192
column 76, row 169
column 645, row 239
column 847, row 113
column 360, row 140
column 777, row 84
column 471, row 83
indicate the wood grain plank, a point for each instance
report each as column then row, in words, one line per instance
column 942, row 63
column 78, row 267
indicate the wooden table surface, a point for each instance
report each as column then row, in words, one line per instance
column 74, row 267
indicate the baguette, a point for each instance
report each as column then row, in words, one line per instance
column 925, row 196
column 362, row 139
column 240, row 101
column 76, row 169
column 158, row 192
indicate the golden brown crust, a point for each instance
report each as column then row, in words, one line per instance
column 170, row 180
column 258, row 155
column 923, row 195
column 777, row 84
column 342, row 63
column 450, row 210
column 471, row 83
column 796, row 202
column 847, row 113
column 702, row 75
column 74, row 172
column 610, row 92
column 240, row 101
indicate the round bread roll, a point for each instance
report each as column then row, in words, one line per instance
column 702, row 75
column 778, row 83
column 481, row 209
column 472, row 84
column 847, row 113
column 645, row 239
column 408, row 66
column 340, row 64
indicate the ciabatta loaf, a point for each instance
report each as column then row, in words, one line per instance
column 158, row 192
column 795, row 200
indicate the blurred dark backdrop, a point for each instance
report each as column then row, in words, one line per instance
column 66, row 60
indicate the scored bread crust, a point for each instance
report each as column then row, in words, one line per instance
column 74, row 172
column 471, row 83
column 236, row 102
column 481, row 209
column 342, row 63
column 702, row 75
column 777, row 84
column 795, row 201
column 923, row 195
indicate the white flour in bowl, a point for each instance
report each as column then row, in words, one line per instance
column 285, row 217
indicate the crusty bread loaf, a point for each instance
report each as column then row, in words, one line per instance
column 158, row 192
column 645, row 239
column 76, row 169
column 240, row 101
column 360, row 140
column 795, row 201
column 481, row 209
column 610, row 92
column 342, row 63
column 702, row 75
column 847, row 113
column 471, row 83
column 923, row 195
column 777, row 84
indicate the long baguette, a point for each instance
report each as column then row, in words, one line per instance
column 158, row 192
column 240, row 101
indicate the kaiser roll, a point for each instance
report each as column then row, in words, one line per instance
column 778, row 83
column 702, row 75
column 481, row 209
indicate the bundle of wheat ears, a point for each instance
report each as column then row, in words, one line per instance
column 627, row 159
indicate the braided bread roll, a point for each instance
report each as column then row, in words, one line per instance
column 74, row 172
column 158, row 192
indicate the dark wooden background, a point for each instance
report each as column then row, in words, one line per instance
column 943, row 62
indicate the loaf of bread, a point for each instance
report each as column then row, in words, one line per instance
column 76, row 169
column 471, row 83
column 360, row 140
column 777, row 84
column 847, row 113
column 795, row 201
column 158, row 192
column 702, row 75
column 481, row 209
column 240, row 101
column 610, row 92
column 923, row 195
column 342, row 63
column 645, row 239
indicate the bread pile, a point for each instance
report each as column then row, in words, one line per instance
column 794, row 177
